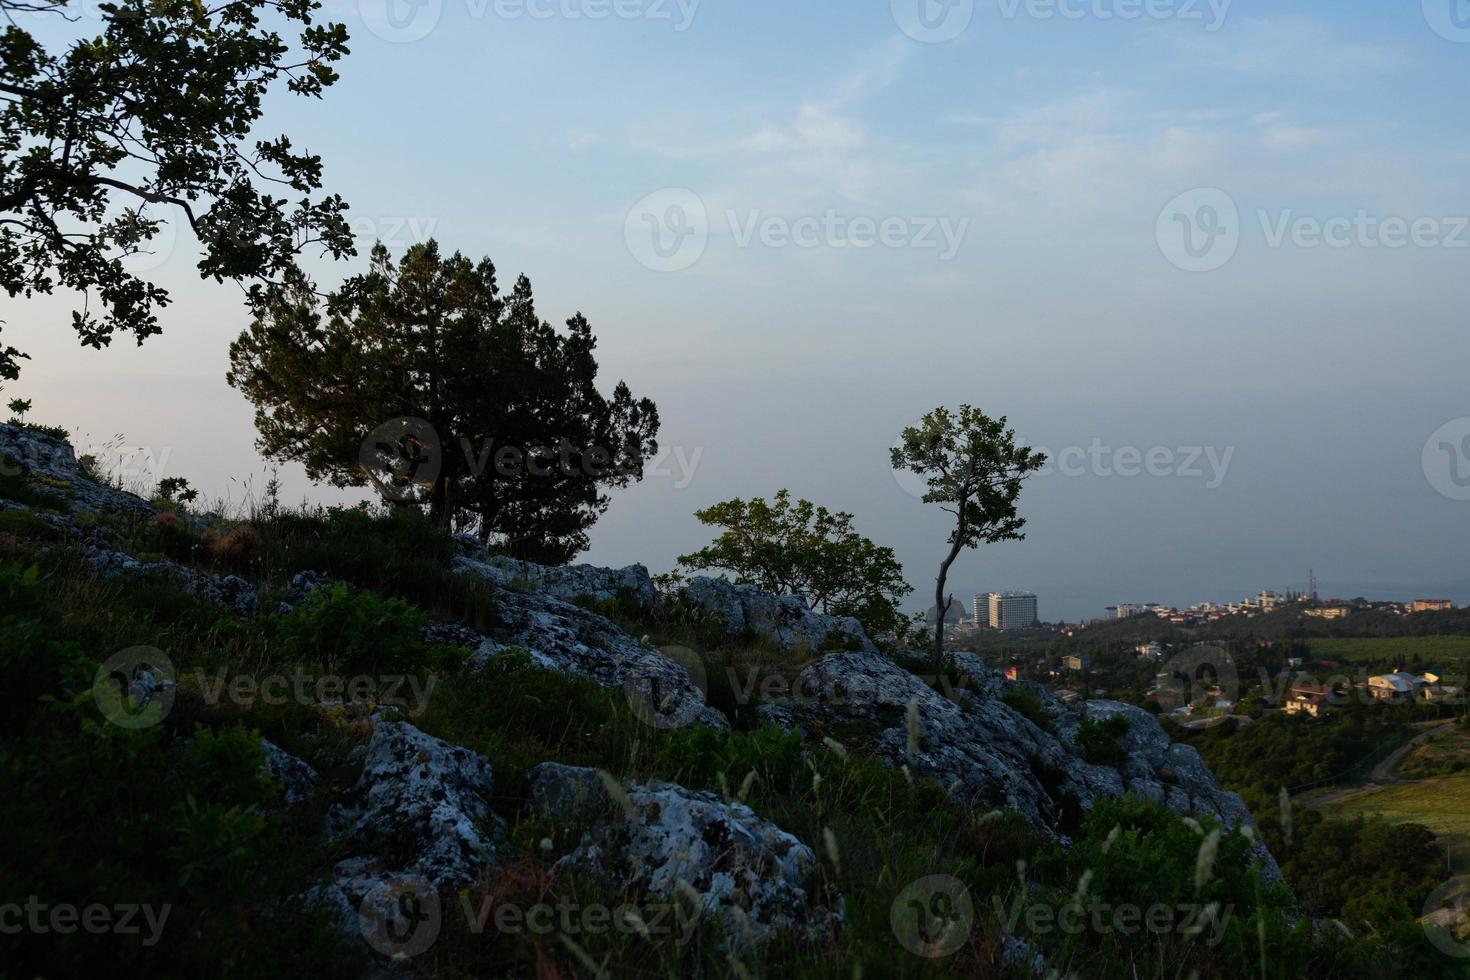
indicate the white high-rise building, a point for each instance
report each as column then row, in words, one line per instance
column 1013, row 610
column 980, row 609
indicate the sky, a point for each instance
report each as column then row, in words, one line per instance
column 1210, row 255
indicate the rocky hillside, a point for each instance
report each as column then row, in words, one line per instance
column 766, row 775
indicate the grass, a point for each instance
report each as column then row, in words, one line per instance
column 1429, row 650
column 1442, row 804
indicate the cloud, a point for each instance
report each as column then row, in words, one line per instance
column 1284, row 46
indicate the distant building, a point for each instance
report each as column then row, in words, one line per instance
column 980, row 610
column 1327, row 612
column 1395, row 687
column 1013, row 610
column 1127, row 610
column 1308, row 699
column 1013, row 672
column 1151, row 651
column 1432, row 605
column 1077, row 661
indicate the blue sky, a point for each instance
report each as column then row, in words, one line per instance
column 1060, row 153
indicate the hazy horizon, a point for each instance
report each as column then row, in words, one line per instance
column 828, row 164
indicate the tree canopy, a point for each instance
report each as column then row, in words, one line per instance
column 974, row 470
column 808, row 551
column 427, row 355
column 156, row 111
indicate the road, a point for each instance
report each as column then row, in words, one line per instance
column 1386, row 772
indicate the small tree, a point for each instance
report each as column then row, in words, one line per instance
column 974, row 471
column 160, row 107
column 807, row 551
column 524, row 445
column 20, row 406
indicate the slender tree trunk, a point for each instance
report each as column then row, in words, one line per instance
column 941, row 607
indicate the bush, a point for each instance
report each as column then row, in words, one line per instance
column 1099, row 740
column 353, row 633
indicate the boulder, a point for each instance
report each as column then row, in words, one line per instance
column 987, row 754
column 565, row 637
column 745, row 871
column 787, row 620
column 571, row 582
column 297, row 778
column 228, row 590
column 51, row 460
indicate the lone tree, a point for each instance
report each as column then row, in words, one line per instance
column 807, row 551
column 98, row 140
column 521, row 446
column 974, row 471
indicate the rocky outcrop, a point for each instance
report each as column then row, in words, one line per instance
column 52, row 463
column 786, row 620
column 296, row 777
column 984, row 753
column 664, row 840
column 565, row 637
column 227, row 590
column 417, row 806
column 571, row 582
column 415, row 815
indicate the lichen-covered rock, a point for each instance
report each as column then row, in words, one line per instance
column 746, row 871
column 303, row 584
column 987, row 754
column 296, row 777
column 418, row 807
column 229, row 590
column 786, row 620
column 571, row 582
column 47, row 458
column 565, row 637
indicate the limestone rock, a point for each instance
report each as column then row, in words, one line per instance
column 745, row 870
column 571, row 582
column 787, row 620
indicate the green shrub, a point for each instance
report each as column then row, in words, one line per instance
column 1028, row 705
column 353, row 633
column 1099, row 740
